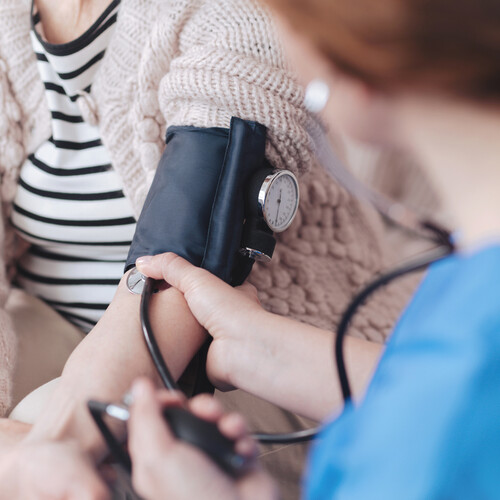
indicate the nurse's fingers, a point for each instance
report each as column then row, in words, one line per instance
column 212, row 301
column 232, row 425
column 147, row 429
column 182, row 275
column 178, row 272
column 206, row 407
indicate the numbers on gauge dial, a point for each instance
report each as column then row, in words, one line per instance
column 281, row 202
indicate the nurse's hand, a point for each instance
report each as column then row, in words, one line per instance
column 230, row 315
column 164, row 467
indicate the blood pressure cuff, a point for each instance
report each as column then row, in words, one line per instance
column 196, row 204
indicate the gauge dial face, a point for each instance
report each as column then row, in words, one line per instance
column 281, row 201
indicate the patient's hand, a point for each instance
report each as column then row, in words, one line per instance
column 49, row 471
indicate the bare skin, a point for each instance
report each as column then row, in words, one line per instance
column 106, row 362
column 67, row 20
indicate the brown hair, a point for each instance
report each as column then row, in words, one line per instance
column 451, row 45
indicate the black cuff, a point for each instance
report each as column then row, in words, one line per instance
column 196, row 203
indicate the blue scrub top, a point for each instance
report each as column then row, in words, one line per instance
column 429, row 426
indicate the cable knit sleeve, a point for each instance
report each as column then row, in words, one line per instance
column 226, row 61
column 194, row 62
column 24, row 123
column 11, row 153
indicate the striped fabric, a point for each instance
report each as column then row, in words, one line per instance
column 70, row 204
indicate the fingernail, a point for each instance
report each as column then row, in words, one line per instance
column 146, row 259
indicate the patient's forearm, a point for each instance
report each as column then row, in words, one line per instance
column 292, row 365
column 111, row 357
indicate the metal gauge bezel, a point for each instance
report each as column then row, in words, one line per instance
column 135, row 281
column 264, row 191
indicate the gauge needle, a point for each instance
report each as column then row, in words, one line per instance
column 279, row 204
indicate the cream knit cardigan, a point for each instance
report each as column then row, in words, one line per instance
column 196, row 62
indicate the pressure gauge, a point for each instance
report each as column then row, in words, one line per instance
column 272, row 201
column 279, row 200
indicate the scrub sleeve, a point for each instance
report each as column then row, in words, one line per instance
column 428, row 427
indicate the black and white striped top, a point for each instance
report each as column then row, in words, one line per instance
column 70, row 204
